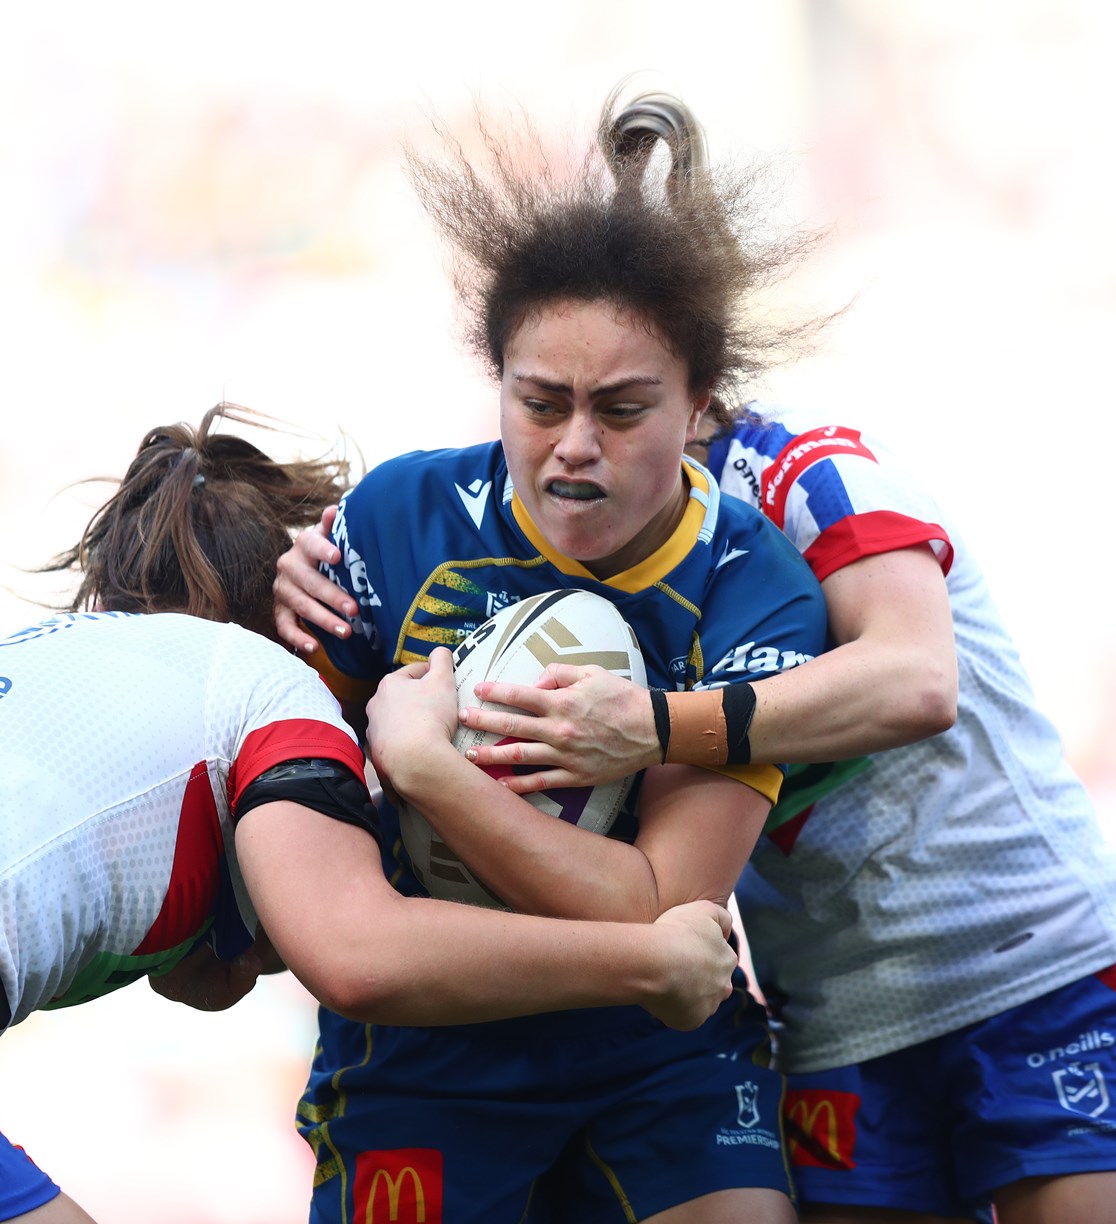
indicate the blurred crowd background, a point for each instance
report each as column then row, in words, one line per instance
column 208, row 203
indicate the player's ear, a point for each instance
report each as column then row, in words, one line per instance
column 699, row 407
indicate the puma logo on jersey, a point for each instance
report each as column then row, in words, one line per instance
column 475, row 498
column 730, row 554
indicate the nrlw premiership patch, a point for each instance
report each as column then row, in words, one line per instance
column 751, row 1127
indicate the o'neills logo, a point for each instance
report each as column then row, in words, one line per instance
column 400, row 1186
column 1094, row 1039
column 821, row 1127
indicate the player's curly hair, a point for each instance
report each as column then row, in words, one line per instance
column 197, row 524
column 688, row 258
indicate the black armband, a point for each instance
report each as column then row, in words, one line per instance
column 324, row 785
column 739, row 703
column 661, row 711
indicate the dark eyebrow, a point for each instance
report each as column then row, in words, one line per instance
column 621, row 384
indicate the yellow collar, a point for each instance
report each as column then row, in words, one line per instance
column 653, row 568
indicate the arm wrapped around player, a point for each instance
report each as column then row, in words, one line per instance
column 709, row 727
column 584, row 726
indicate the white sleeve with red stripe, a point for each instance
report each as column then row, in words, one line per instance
column 263, row 707
column 835, row 496
column 289, row 713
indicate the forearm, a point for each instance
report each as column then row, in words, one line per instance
column 433, row 962
column 855, row 699
column 891, row 680
column 534, row 862
column 379, row 957
column 858, row 698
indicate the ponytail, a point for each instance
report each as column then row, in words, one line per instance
column 197, row 524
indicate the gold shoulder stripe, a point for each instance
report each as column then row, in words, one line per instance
column 344, row 688
column 767, row 779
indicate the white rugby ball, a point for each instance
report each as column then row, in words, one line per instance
column 514, row 647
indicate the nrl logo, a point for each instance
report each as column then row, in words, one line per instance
column 496, row 601
column 1082, row 1089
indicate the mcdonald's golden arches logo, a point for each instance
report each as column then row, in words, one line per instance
column 398, row 1186
column 821, row 1127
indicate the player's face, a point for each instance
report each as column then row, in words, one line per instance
column 594, row 413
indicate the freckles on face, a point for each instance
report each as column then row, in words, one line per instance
column 595, row 410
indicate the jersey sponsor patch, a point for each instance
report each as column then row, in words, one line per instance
column 803, row 451
column 398, row 1186
column 821, row 1127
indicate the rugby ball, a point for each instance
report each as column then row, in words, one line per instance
column 514, row 647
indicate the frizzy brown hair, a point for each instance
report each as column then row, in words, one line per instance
column 197, row 524
column 689, row 259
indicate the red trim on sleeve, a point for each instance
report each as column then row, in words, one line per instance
column 289, row 740
column 799, row 454
column 787, row 833
column 192, row 888
column 868, row 535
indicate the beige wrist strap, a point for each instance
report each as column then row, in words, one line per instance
column 698, row 732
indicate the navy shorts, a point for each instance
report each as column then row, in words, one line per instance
column 940, row 1126
column 23, row 1185
column 460, row 1123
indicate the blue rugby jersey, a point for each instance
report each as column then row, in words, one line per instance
column 433, row 543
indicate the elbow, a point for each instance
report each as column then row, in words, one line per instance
column 937, row 717
column 349, row 1000
column 353, row 1000
column 933, row 708
column 366, row 997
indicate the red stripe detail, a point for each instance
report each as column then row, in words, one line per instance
column 288, row 740
column 1108, row 977
column 787, row 833
column 192, row 889
column 800, row 453
column 870, row 534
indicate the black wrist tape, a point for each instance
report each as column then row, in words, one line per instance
column 662, row 719
column 739, row 704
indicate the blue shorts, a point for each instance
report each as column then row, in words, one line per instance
column 460, row 1122
column 940, row 1126
column 23, row 1185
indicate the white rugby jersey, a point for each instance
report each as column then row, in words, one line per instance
column 934, row 885
column 125, row 742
